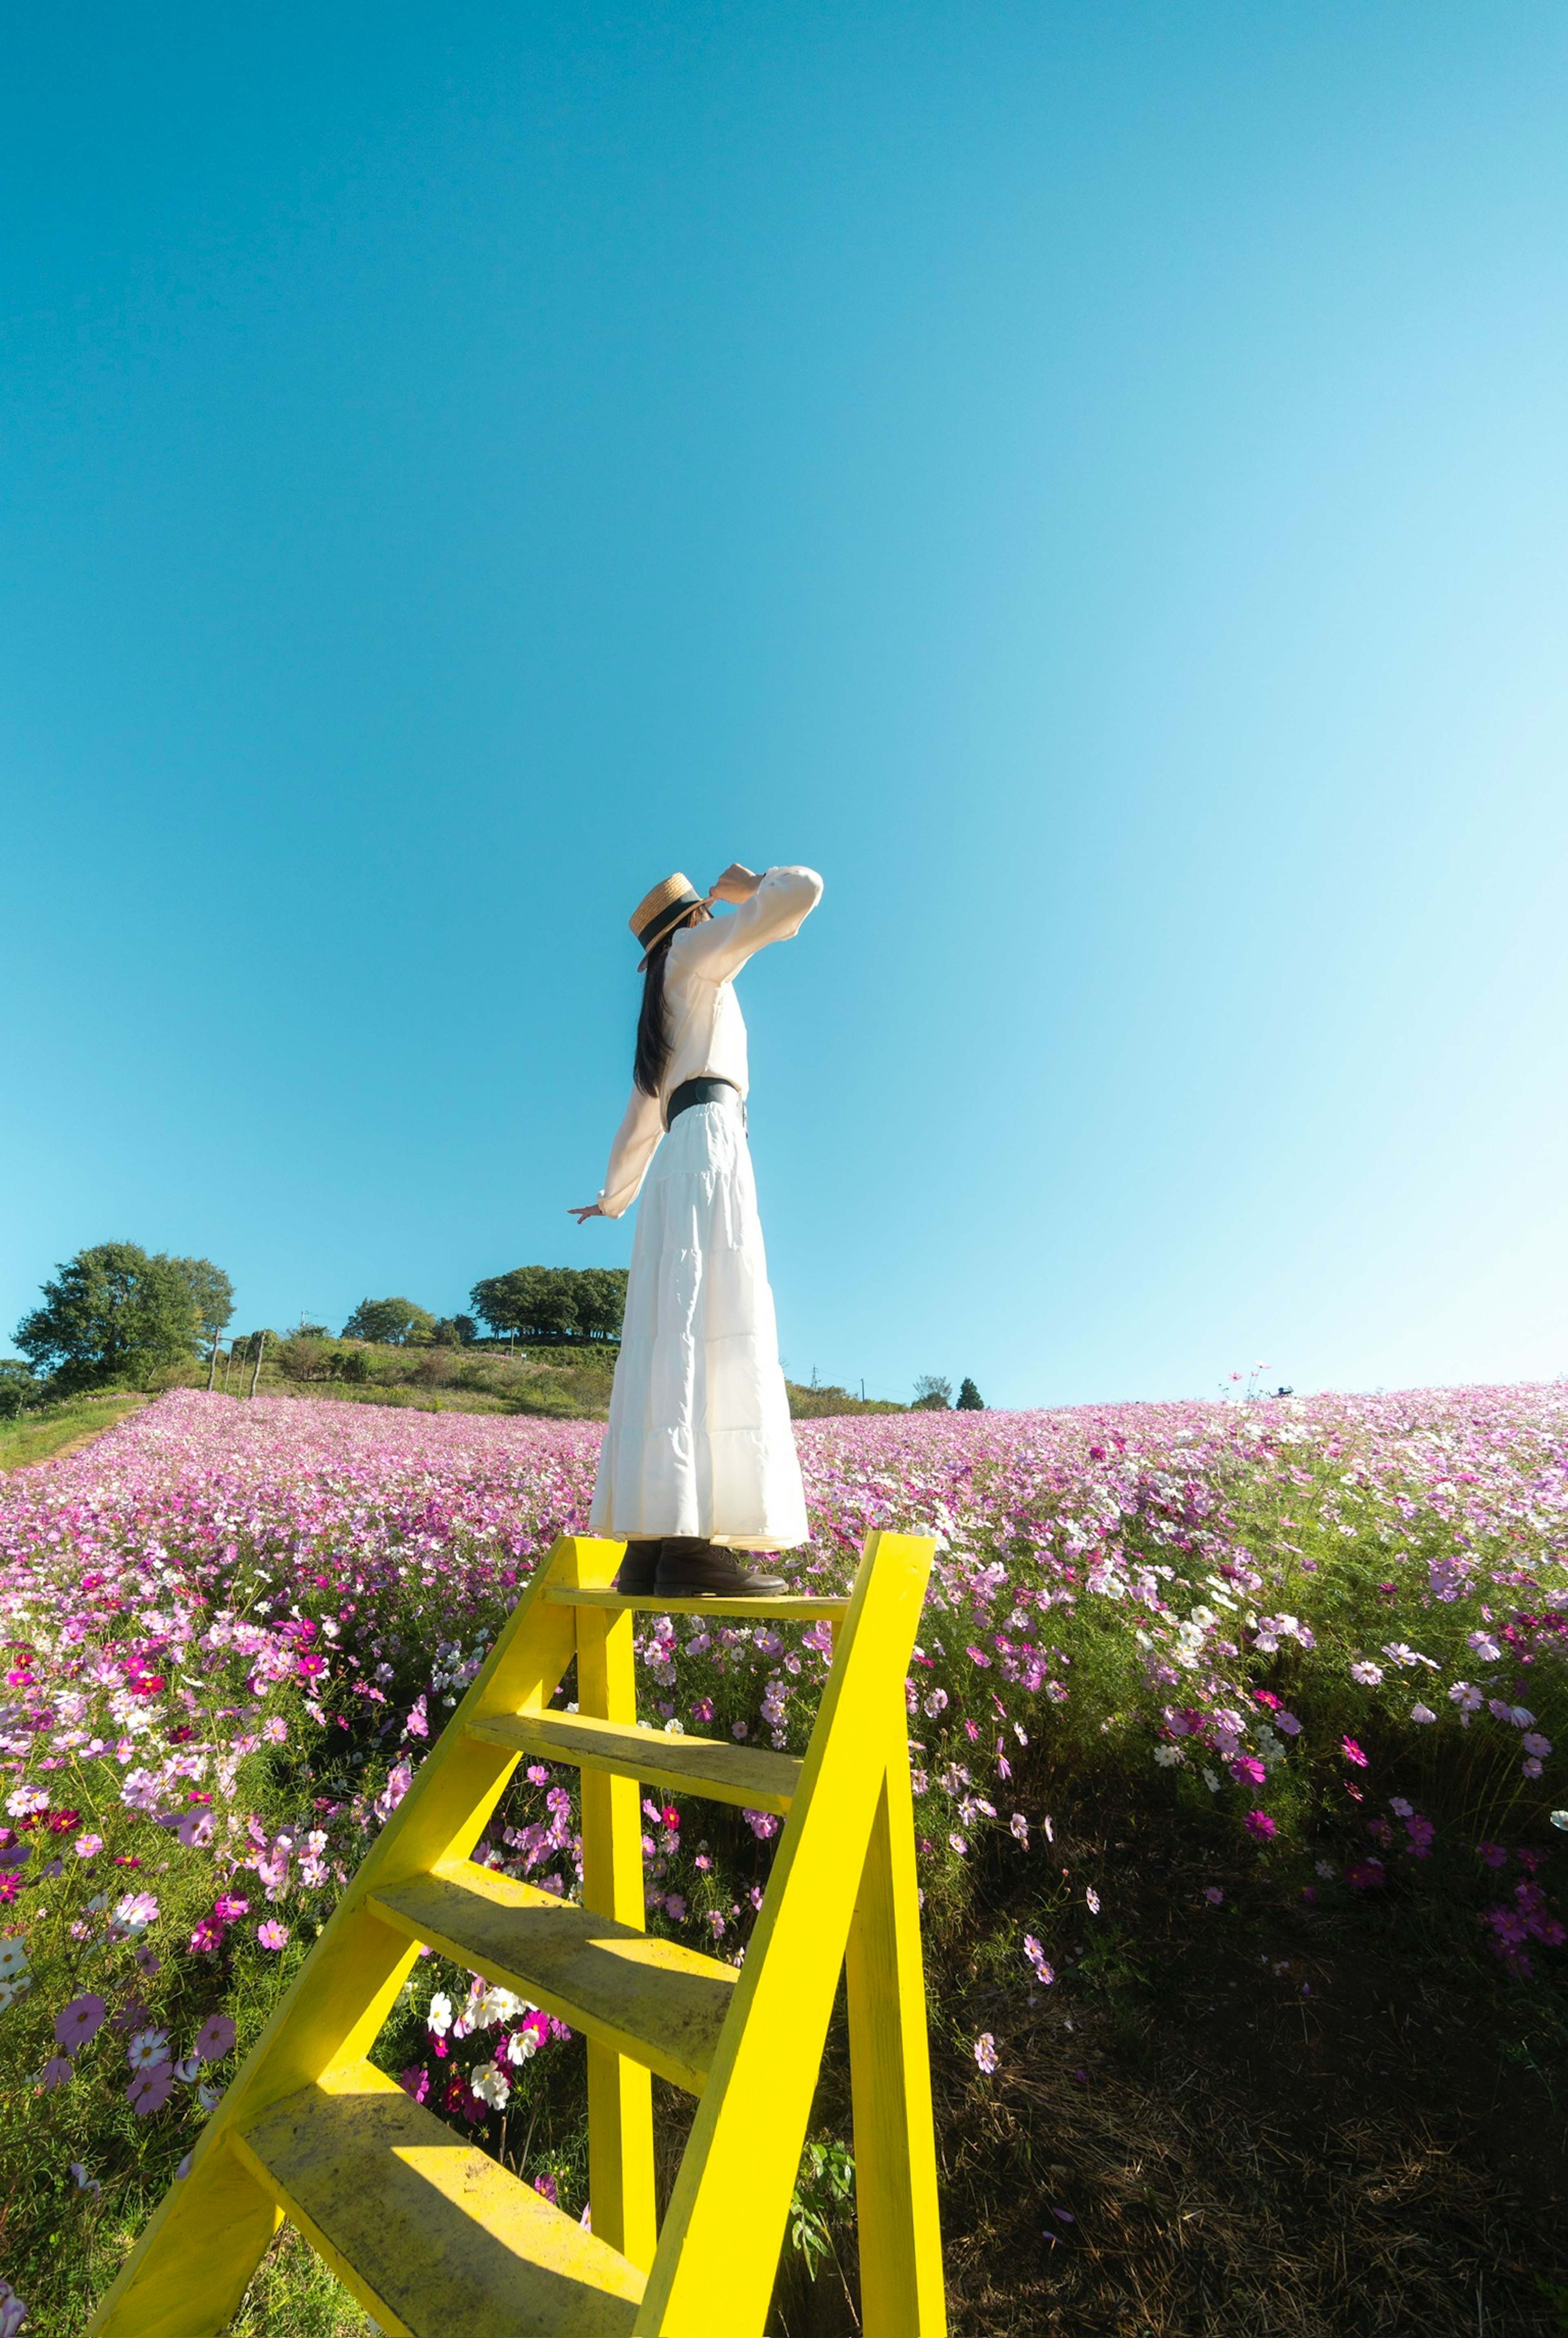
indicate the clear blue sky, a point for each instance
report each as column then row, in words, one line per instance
column 1092, row 481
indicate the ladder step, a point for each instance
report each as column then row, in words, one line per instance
column 748, row 1775
column 653, row 1999
column 789, row 1608
column 434, row 2239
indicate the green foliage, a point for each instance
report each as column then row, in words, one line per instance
column 824, row 2190
column 454, row 1331
column 115, row 1315
column 18, row 1387
column 570, row 1386
column 397, row 1322
column 555, row 1304
column 211, row 1294
column 969, row 1398
column 932, row 1393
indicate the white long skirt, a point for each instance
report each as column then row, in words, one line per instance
column 699, row 1440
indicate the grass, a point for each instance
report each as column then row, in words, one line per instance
column 559, row 1384
column 294, row 2295
column 60, row 1428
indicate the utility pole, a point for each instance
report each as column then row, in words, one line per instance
column 261, row 1351
column 213, row 1364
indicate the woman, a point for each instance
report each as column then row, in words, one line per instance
column 698, row 1460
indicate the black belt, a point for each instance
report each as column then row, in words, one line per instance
column 703, row 1091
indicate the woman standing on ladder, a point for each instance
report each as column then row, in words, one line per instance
column 698, row 1459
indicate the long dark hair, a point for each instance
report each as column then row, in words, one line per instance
column 652, row 1023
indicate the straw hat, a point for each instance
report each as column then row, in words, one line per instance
column 664, row 907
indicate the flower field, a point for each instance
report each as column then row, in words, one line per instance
column 1325, row 1642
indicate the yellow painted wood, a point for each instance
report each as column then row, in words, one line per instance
column 901, row 2285
column 720, row 2246
column 661, row 2002
column 344, row 1991
column 748, row 1774
column 432, row 2237
column 789, row 1607
column 620, row 2089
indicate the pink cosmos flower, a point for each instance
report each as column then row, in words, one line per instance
column 56, row 2070
column 985, row 2053
column 1248, row 1771
column 150, row 2090
column 272, row 1935
column 148, row 2048
column 1035, row 1955
column 1215, row 1897
column 79, row 2021
column 1259, row 1826
column 1092, row 1899
column 1352, row 1752
column 1018, row 1827
column 88, row 1846
column 228, row 1911
column 214, row 2038
column 136, row 1910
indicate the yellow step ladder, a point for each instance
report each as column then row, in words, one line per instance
column 438, row 2240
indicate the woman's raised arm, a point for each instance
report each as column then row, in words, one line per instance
column 780, row 905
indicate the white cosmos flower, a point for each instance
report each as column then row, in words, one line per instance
column 492, row 2086
column 147, row 2048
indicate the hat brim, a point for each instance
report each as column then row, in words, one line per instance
column 675, row 916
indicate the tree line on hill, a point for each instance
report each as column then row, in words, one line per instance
column 117, row 1316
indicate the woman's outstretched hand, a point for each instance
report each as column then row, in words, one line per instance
column 582, row 1216
column 737, row 884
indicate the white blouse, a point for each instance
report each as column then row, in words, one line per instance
column 707, row 1032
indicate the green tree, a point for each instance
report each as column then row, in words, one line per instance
column 454, row 1331
column 932, row 1393
column 211, row 1295
column 391, row 1322
column 969, row 1398
column 601, row 1301
column 112, row 1314
column 18, row 1387
column 555, row 1304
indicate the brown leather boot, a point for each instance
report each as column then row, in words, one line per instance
column 690, row 1568
column 635, row 1575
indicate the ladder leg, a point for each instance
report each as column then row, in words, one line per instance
column 620, row 2091
column 901, row 2286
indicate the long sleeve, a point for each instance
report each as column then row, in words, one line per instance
column 777, row 910
column 635, row 1142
